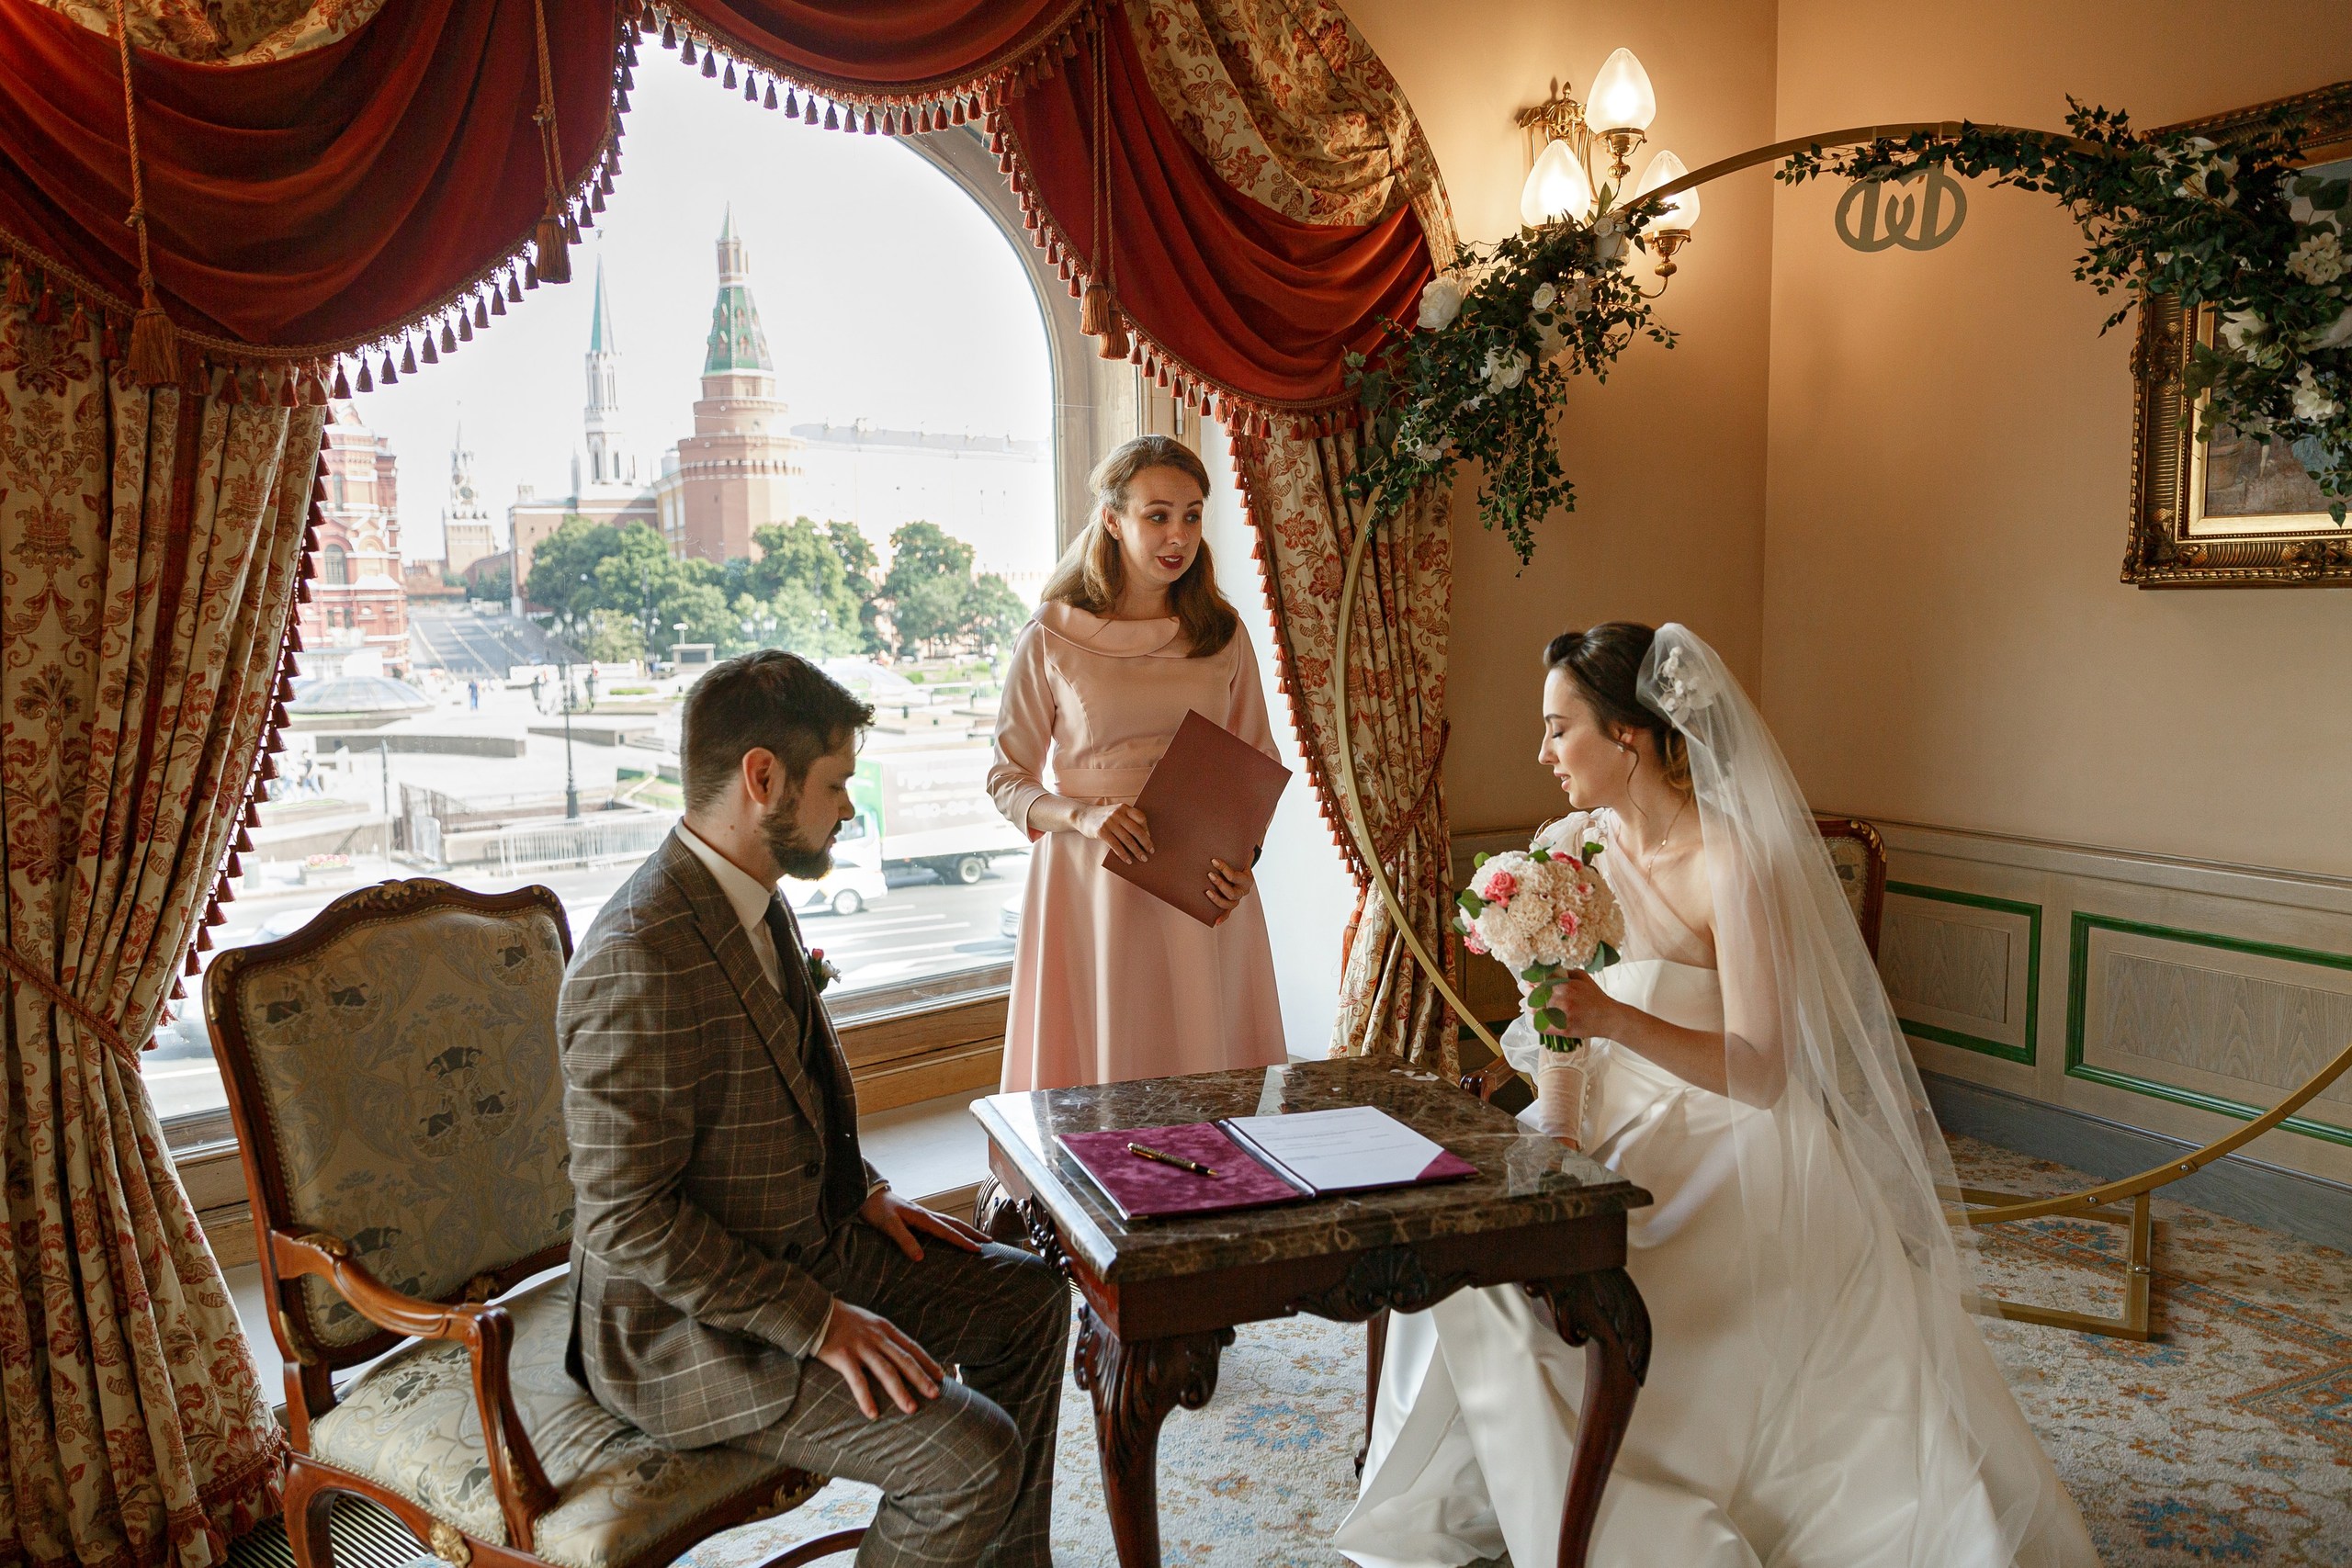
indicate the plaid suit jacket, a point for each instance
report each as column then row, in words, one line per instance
column 697, row 1159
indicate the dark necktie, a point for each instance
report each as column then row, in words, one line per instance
column 843, row 1188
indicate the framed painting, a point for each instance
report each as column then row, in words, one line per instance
column 2231, row 511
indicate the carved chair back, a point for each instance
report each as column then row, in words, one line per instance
column 394, row 1082
column 1858, row 856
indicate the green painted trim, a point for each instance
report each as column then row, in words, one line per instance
column 2078, row 985
column 1977, row 1043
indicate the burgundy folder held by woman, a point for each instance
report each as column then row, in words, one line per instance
column 1211, row 797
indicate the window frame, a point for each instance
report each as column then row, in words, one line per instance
column 920, row 1039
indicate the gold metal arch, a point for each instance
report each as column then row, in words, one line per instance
column 1975, row 1207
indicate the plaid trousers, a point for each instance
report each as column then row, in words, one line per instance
column 973, row 1467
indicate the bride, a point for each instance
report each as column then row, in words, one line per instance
column 1818, row 1396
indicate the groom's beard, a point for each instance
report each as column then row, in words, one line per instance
column 798, row 859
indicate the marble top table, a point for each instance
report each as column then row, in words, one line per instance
column 1162, row 1296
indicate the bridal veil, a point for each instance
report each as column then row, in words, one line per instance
column 1843, row 1173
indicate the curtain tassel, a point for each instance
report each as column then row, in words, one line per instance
column 728, row 81
column 155, row 344
column 481, row 314
column 769, row 102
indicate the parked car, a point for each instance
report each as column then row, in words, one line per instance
column 855, row 880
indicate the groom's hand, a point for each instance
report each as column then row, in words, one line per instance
column 861, row 1345
column 899, row 1220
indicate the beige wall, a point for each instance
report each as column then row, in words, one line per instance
column 1669, row 457
column 1944, row 637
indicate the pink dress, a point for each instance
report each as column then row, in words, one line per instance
column 1108, row 981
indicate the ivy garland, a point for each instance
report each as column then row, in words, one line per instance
column 2234, row 226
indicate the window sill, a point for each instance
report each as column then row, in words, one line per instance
column 898, row 1055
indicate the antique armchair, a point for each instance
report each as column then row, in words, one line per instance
column 393, row 1078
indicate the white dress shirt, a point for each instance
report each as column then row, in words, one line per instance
column 748, row 898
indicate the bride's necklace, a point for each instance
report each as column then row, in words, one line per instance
column 1649, row 855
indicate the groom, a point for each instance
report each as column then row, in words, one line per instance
column 743, row 1275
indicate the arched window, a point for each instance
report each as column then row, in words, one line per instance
column 335, row 568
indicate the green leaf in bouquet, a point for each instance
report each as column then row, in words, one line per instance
column 1481, row 858
column 1536, row 973
column 1603, row 955
column 1473, row 905
column 1551, row 1020
column 1540, row 996
column 1591, row 850
column 1538, row 855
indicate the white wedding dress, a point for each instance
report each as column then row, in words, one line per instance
column 1814, row 1397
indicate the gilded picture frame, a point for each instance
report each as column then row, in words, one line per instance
column 2230, row 512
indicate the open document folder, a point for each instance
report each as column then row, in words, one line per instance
column 1257, row 1160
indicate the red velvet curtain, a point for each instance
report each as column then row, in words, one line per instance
column 1252, row 302
column 343, row 194
column 323, row 199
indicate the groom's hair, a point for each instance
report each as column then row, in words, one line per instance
column 768, row 699
column 1605, row 664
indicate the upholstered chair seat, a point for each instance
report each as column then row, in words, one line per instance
column 410, row 1424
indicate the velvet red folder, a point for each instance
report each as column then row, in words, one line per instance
column 1144, row 1188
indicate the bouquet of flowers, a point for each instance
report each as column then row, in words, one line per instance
column 1545, row 913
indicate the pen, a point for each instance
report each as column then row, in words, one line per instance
column 1195, row 1167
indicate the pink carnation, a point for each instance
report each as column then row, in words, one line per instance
column 1569, row 921
column 1470, row 940
column 1500, row 887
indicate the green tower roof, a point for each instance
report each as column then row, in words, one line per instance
column 736, row 341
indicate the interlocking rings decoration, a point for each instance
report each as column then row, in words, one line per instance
column 1875, row 214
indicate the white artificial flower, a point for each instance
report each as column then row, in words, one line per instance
column 2319, row 259
column 1427, row 452
column 1544, row 294
column 2312, row 401
column 1609, row 239
column 1441, row 302
column 2332, row 336
column 2240, row 329
column 1579, row 296
column 1505, row 369
column 1550, row 341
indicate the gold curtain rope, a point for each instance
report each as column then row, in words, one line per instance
column 23, row 968
column 154, row 346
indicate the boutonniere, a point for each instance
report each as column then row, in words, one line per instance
column 822, row 971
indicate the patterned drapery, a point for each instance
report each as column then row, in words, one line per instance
column 150, row 546
column 1296, row 489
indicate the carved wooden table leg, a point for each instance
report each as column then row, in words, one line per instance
column 1604, row 1314
column 1375, row 1350
column 1134, row 1387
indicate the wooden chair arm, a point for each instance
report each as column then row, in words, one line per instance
column 1484, row 1081
column 486, row 1331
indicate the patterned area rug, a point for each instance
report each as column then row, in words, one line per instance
column 2228, row 1441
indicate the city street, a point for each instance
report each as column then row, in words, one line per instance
column 923, row 928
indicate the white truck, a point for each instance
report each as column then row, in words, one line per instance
column 929, row 808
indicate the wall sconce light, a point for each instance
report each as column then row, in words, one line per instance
column 1579, row 152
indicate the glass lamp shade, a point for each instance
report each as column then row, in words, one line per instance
column 1680, row 211
column 1621, row 96
column 1556, row 187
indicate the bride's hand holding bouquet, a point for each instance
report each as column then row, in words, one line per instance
column 1547, row 914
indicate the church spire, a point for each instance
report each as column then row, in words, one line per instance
column 737, row 344
column 608, row 460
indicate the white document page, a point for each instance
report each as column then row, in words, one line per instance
column 1349, row 1149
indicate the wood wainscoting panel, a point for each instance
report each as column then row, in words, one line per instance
column 2208, row 1020
column 1963, row 968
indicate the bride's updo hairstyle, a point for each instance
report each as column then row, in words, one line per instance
column 1605, row 664
column 1091, row 572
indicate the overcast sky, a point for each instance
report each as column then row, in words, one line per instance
column 885, row 292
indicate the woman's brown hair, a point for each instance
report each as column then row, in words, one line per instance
column 1605, row 664
column 1091, row 572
